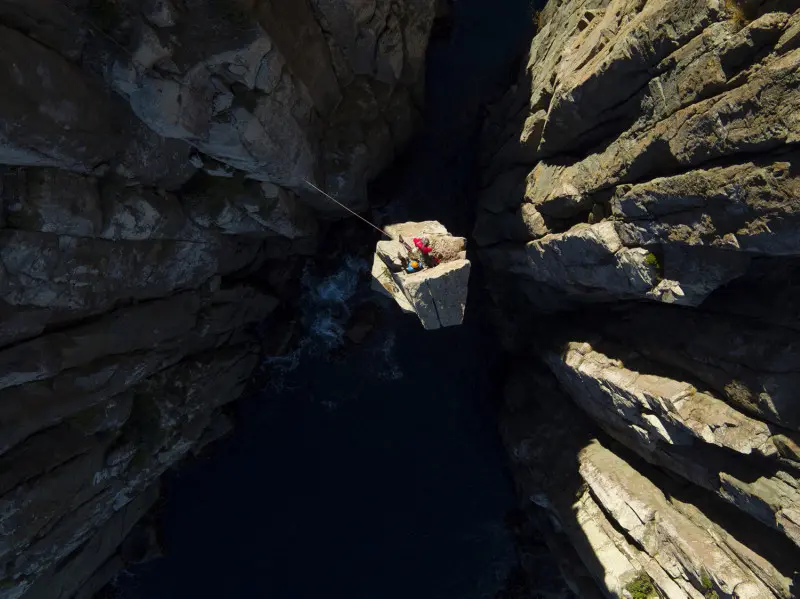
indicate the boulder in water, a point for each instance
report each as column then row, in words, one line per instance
column 437, row 294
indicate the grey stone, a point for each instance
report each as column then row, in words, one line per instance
column 623, row 517
column 671, row 127
column 71, row 127
column 125, row 331
column 436, row 294
column 85, row 561
column 49, row 22
column 155, row 156
column 70, row 374
column 680, row 547
column 591, row 257
column 751, row 364
column 232, row 208
column 160, row 13
column 64, row 273
column 250, row 96
column 375, row 40
column 439, row 295
column 746, row 207
column 654, row 416
column 271, row 140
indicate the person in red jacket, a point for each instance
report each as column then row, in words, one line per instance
column 423, row 244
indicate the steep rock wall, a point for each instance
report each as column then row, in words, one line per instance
column 154, row 156
column 641, row 189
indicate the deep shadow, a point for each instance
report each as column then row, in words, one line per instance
column 437, row 177
column 348, row 484
column 544, row 433
column 753, row 9
column 374, row 472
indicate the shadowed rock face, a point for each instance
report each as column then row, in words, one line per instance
column 153, row 158
column 648, row 152
column 281, row 91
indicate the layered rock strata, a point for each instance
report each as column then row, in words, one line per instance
column 640, row 188
column 437, row 293
column 154, row 157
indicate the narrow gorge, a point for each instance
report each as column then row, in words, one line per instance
column 200, row 395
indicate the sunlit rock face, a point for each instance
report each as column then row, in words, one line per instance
column 638, row 224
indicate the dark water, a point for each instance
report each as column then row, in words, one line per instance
column 379, row 475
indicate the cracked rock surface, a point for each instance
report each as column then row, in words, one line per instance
column 437, row 294
column 153, row 211
column 637, row 214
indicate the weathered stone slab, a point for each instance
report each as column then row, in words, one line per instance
column 436, row 294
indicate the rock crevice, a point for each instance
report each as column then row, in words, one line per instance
column 153, row 211
column 637, row 214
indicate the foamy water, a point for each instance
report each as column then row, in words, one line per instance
column 326, row 305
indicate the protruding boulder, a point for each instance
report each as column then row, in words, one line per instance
column 436, row 294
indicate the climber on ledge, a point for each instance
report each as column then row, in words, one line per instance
column 423, row 244
column 413, row 266
column 408, row 263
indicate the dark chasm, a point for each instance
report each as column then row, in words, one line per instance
column 368, row 469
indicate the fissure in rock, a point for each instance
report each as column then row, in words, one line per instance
column 626, row 183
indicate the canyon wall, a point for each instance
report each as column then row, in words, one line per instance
column 154, row 209
column 639, row 224
column 637, row 227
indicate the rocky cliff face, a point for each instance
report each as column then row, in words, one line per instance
column 155, row 156
column 637, row 225
column 642, row 190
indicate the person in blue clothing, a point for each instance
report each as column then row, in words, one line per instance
column 411, row 263
column 413, row 266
